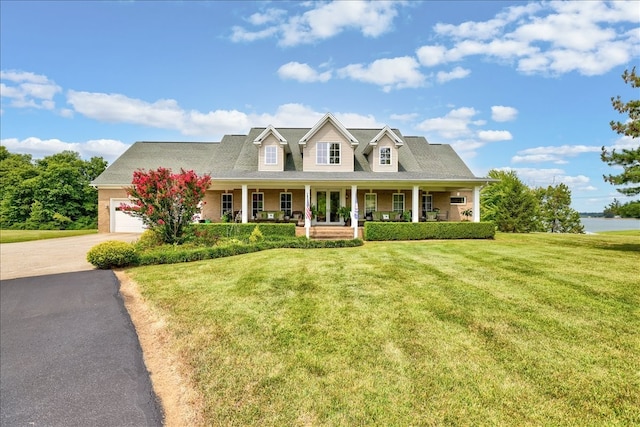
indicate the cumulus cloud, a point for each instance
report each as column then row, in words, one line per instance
column 495, row 135
column 545, row 38
column 109, row 149
column 456, row 73
column 302, row 73
column 500, row 113
column 212, row 125
column 389, row 73
column 454, row 124
column 321, row 21
column 28, row 90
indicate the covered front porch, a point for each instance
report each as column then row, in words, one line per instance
column 318, row 204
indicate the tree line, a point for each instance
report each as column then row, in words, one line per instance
column 49, row 193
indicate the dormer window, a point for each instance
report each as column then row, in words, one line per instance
column 328, row 153
column 385, row 155
column 270, row 155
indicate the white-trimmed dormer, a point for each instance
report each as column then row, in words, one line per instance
column 382, row 151
column 328, row 147
column 272, row 148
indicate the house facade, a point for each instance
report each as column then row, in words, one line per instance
column 288, row 173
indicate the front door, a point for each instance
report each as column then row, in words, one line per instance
column 328, row 203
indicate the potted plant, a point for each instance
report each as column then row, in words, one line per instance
column 345, row 213
column 467, row 213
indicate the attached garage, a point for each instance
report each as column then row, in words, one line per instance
column 122, row 222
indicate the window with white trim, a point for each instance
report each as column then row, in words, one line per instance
column 226, row 203
column 398, row 202
column 385, row 155
column 257, row 203
column 270, row 155
column 286, row 203
column 458, row 200
column 328, row 153
column 370, row 203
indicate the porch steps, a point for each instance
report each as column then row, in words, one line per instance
column 329, row 232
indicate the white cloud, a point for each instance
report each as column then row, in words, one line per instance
column 321, row 21
column 390, row 73
column 430, row 56
column 500, row 113
column 553, row 154
column 110, row 107
column 271, row 15
column 239, row 34
column 109, row 149
column 545, row 38
column 544, row 177
column 495, row 135
column 167, row 114
column 454, row 124
column 28, row 90
column 302, row 73
column 456, row 73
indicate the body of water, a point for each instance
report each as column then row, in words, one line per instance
column 594, row 225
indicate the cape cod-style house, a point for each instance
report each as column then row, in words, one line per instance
column 282, row 173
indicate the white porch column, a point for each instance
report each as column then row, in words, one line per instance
column 245, row 203
column 355, row 210
column 307, row 208
column 476, row 204
column 415, row 204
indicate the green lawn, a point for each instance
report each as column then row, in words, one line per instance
column 523, row 330
column 13, row 236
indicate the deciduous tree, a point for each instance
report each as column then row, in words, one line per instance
column 167, row 202
column 556, row 214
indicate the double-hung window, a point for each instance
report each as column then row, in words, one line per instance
column 398, row 202
column 385, row 155
column 285, row 203
column 270, row 155
column 328, row 153
column 227, row 203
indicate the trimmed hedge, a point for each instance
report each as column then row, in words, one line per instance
column 112, row 254
column 229, row 229
column 175, row 254
column 428, row 230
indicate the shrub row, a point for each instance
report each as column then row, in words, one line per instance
column 428, row 230
column 112, row 254
column 235, row 230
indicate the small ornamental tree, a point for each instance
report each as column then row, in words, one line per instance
column 167, row 202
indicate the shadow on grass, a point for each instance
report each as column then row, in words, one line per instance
column 623, row 247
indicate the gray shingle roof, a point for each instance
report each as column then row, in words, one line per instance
column 236, row 157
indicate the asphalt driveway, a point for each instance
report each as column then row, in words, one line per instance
column 69, row 354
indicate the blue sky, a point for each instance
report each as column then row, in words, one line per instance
column 511, row 85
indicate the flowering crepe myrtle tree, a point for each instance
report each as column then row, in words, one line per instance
column 166, row 202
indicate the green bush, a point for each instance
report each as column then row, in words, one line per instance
column 243, row 231
column 167, row 254
column 112, row 253
column 428, row 230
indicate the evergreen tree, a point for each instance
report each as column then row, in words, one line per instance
column 629, row 159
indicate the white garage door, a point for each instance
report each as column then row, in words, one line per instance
column 123, row 223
